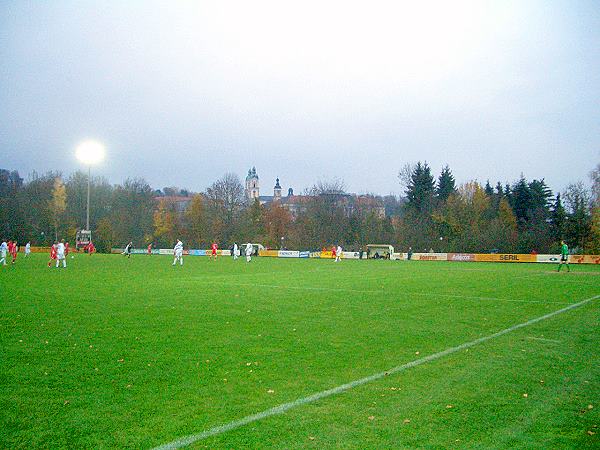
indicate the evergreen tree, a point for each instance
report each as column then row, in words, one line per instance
column 541, row 195
column 558, row 218
column 421, row 189
column 446, row 185
column 489, row 191
column 499, row 190
column 520, row 199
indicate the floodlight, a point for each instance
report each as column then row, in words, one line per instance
column 90, row 152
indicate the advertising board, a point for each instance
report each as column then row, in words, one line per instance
column 288, row 254
column 554, row 259
column 430, row 256
column 505, row 257
column 272, row 253
column 467, row 257
column 584, row 259
column 350, row 255
column 304, row 254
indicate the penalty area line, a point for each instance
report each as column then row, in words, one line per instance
column 280, row 409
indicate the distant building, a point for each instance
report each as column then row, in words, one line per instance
column 352, row 204
column 252, row 185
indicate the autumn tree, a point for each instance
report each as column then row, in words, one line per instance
column 196, row 222
column 278, row 223
column 166, row 223
column 58, row 204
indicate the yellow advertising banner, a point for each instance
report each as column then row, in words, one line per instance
column 326, row 254
column 505, row 257
column 585, row 259
column 274, row 253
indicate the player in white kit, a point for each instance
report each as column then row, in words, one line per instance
column 27, row 249
column 249, row 250
column 3, row 251
column 178, row 252
column 236, row 251
column 338, row 253
column 60, row 254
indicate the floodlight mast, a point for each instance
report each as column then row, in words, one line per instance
column 89, row 152
column 87, row 212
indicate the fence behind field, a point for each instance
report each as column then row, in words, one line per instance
column 455, row 257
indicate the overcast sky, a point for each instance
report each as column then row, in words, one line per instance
column 181, row 92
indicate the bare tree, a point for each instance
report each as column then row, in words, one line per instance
column 595, row 177
column 328, row 187
column 225, row 200
column 405, row 175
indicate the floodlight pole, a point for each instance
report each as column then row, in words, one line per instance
column 87, row 216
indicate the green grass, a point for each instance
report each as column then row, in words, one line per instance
column 136, row 353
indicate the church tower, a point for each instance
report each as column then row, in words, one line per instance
column 277, row 190
column 252, row 189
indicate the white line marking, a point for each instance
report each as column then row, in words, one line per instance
column 360, row 291
column 187, row 440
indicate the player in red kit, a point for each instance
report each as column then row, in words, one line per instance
column 13, row 252
column 66, row 249
column 333, row 252
column 52, row 254
column 213, row 248
column 150, row 248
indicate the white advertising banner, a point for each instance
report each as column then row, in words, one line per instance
column 288, row 254
column 166, row 251
column 350, row 255
column 548, row 259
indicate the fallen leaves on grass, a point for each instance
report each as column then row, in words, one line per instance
column 406, row 421
column 591, row 433
column 312, row 438
column 525, row 395
column 449, row 406
column 371, row 417
column 270, row 391
column 121, row 360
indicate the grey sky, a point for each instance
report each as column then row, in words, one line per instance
column 182, row 92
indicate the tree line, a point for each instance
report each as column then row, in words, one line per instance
column 436, row 214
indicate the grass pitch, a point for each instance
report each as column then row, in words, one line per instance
column 136, row 353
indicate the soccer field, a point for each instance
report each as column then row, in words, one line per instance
column 116, row 352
